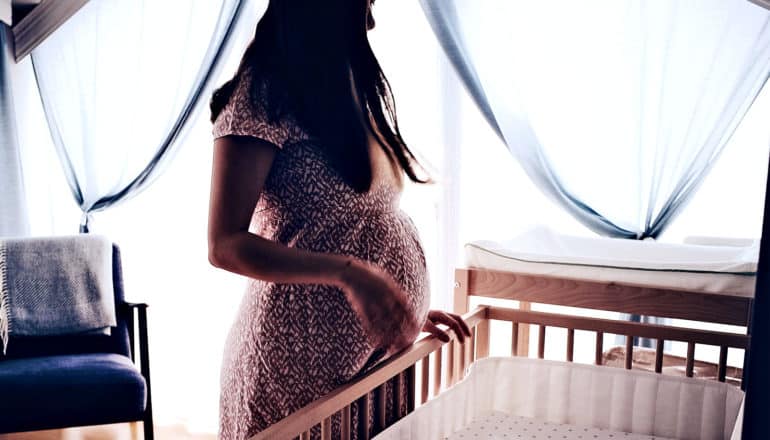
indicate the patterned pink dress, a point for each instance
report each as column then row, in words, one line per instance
column 291, row 344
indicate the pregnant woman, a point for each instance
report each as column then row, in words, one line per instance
column 307, row 173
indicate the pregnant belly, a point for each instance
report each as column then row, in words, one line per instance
column 388, row 240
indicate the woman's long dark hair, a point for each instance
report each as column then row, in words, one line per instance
column 302, row 58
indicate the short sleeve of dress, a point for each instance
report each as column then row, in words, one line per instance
column 243, row 117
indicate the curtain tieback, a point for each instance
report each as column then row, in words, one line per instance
column 85, row 221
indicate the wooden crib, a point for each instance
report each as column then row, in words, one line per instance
column 429, row 366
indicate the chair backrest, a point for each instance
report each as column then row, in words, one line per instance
column 116, row 342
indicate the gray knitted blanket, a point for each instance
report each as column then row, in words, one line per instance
column 55, row 286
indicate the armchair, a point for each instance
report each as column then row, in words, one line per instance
column 57, row 382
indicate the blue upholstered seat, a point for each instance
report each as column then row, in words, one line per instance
column 70, row 390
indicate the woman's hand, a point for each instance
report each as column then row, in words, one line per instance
column 382, row 305
column 451, row 320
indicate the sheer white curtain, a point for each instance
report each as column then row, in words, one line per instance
column 498, row 200
column 119, row 82
column 13, row 213
column 640, row 96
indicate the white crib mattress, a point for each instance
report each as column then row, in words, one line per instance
column 689, row 267
column 610, row 400
column 501, row 426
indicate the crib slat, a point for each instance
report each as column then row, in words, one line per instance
column 659, row 355
column 326, row 429
column 515, row 339
column 467, row 357
column 437, row 371
column 411, row 387
column 450, row 361
column 380, row 406
column 424, row 378
column 363, row 417
column 599, row 353
column 398, row 385
column 523, row 337
column 629, row 352
column 345, row 423
column 570, row 344
column 722, row 363
column 457, row 368
column 305, row 436
column 467, row 354
column 473, row 344
column 690, row 363
column 541, row 342
column 482, row 339
column 461, row 349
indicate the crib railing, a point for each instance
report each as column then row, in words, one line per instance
column 631, row 330
column 441, row 365
column 358, row 391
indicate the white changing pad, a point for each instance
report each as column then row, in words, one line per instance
column 501, row 426
column 605, row 398
column 689, row 267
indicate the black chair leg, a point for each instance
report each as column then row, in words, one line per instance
column 149, row 433
column 144, row 351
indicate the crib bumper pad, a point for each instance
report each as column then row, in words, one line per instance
column 587, row 396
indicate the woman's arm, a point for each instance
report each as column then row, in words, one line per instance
column 240, row 168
